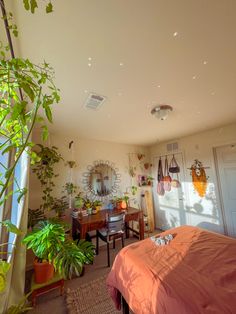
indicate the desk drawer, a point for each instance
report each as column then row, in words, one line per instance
column 96, row 225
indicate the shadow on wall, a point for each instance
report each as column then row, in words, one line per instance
column 183, row 206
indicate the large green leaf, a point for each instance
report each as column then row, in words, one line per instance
column 11, row 227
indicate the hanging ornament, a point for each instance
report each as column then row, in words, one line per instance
column 199, row 177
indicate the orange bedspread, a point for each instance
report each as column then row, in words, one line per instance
column 194, row 273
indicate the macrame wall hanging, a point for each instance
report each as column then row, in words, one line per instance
column 199, row 177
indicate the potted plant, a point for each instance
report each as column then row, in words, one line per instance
column 97, row 205
column 53, row 250
column 88, row 205
column 149, row 180
column 60, row 205
column 79, row 201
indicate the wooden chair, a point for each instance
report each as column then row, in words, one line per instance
column 115, row 225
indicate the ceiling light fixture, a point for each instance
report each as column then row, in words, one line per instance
column 161, row 112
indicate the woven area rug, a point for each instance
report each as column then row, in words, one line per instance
column 90, row 298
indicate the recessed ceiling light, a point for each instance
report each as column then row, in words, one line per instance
column 86, row 91
column 121, row 64
column 194, row 77
column 89, row 58
column 205, row 62
column 175, row 34
column 89, row 64
column 158, row 86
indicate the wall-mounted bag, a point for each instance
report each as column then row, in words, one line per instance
column 174, row 167
column 160, row 185
column 167, row 178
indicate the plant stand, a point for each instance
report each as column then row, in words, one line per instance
column 37, row 289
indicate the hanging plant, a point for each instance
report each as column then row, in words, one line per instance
column 199, row 178
column 44, row 170
column 71, row 164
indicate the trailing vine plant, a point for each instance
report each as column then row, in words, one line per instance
column 44, row 170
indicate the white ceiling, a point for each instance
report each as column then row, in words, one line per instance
column 137, row 62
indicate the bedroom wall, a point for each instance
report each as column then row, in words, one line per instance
column 188, row 207
column 84, row 152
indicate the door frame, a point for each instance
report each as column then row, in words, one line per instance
column 221, row 200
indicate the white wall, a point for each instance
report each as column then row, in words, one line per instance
column 195, row 210
column 84, row 152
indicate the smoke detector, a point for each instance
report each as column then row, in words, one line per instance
column 161, row 112
column 94, row 101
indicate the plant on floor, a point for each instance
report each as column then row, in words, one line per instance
column 21, row 307
column 44, row 170
column 50, row 244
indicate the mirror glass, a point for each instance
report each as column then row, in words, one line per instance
column 102, row 180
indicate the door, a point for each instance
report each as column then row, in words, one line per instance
column 171, row 212
column 226, row 165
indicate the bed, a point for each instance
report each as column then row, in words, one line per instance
column 194, row 273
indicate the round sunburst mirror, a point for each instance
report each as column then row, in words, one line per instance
column 101, row 180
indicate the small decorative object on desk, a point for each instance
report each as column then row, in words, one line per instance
column 74, row 213
column 162, row 240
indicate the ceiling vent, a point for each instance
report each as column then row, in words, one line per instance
column 171, row 147
column 94, row 101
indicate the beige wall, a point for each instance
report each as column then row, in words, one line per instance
column 196, row 210
column 84, row 152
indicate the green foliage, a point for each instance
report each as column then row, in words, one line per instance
column 70, row 188
column 72, row 257
column 97, row 203
column 11, row 227
column 32, row 5
column 60, row 205
column 134, row 189
column 18, row 116
column 45, row 239
column 79, row 201
column 21, row 307
column 49, row 242
column 4, row 267
column 44, row 170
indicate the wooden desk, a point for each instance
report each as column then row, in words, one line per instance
column 98, row 221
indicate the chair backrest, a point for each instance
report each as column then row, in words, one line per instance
column 115, row 223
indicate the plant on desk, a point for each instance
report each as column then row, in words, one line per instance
column 79, row 201
column 88, row 205
column 97, row 205
column 54, row 250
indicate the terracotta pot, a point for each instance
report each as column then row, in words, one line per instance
column 118, row 205
column 123, row 205
column 43, row 272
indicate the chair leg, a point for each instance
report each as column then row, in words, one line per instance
column 97, row 244
column 114, row 243
column 108, row 255
column 122, row 241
